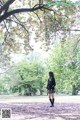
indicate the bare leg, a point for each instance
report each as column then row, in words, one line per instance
column 50, row 96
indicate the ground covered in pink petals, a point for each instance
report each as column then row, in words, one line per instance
column 43, row 111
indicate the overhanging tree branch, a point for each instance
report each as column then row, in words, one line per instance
column 19, row 24
column 6, row 5
column 3, row 17
column 37, row 16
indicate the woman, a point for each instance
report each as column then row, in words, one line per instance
column 51, row 88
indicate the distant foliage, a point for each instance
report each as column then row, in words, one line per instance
column 64, row 61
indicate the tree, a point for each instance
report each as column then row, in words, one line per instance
column 65, row 65
column 19, row 20
column 4, row 84
column 28, row 78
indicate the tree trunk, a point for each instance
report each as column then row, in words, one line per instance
column 41, row 92
column 19, row 90
column 74, row 90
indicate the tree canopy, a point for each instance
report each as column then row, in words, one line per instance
column 43, row 19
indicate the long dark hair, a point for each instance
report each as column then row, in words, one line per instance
column 51, row 74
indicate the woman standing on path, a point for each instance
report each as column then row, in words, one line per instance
column 51, row 88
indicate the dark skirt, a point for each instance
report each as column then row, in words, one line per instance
column 51, row 91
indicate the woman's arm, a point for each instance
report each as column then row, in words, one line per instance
column 47, row 85
column 54, row 82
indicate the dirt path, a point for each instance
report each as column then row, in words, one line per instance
column 38, row 108
column 42, row 111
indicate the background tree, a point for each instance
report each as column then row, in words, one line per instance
column 28, row 78
column 65, row 65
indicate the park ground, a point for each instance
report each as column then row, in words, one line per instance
column 38, row 107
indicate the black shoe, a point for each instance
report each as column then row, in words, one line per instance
column 52, row 106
